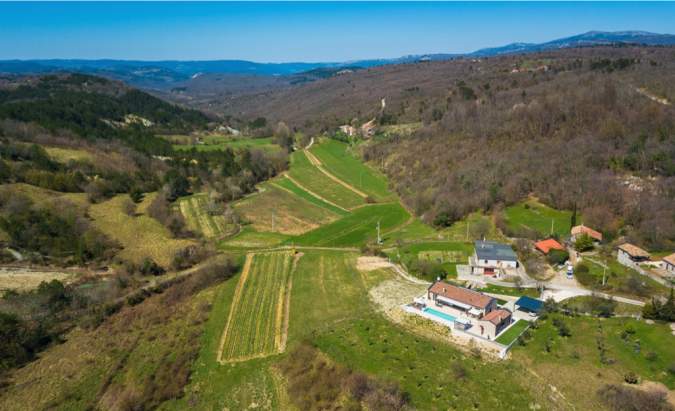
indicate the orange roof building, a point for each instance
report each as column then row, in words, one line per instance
column 546, row 245
column 578, row 230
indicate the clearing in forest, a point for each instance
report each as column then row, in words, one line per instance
column 293, row 215
column 254, row 324
column 198, row 219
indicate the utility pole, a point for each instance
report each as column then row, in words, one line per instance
column 467, row 230
column 379, row 240
column 552, row 220
column 360, row 184
column 273, row 222
column 604, row 269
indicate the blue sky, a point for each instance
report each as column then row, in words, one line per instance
column 305, row 31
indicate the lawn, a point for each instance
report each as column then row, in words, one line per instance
column 616, row 278
column 510, row 291
column 354, row 229
column 333, row 154
column 512, row 333
column 140, row 236
column 288, row 184
column 532, row 215
column 254, row 325
column 198, row 219
column 573, row 364
column 450, row 254
column 293, row 215
column 314, row 180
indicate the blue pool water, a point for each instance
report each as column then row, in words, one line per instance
column 440, row 314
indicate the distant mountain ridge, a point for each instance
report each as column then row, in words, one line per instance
column 165, row 74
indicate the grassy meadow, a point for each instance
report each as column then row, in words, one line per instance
column 532, row 215
column 314, row 180
column 289, row 185
column 349, row 169
column 293, row 214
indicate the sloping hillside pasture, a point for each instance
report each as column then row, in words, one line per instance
column 255, row 320
column 234, row 142
column 333, row 154
column 314, row 180
column 38, row 195
column 198, row 219
column 352, row 230
column 140, row 236
column 293, row 215
column 288, row 184
column 573, row 364
column 64, row 155
column 458, row 231
column 416, row 230
column 532, row 215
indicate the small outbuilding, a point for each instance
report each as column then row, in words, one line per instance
column 580, row 229
column 546, row 245
column 669, row 264
column 528, row 304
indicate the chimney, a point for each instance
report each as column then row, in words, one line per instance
column 443, row 290
column 500, row 317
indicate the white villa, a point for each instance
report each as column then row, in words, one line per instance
column 490, row 258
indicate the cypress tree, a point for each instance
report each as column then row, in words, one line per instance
column 573, row 222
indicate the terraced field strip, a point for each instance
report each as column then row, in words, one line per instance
column 198, row 219
column 301, row 188
column 315, row 161
column 254, row 326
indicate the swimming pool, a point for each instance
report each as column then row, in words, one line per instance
column 440, row 314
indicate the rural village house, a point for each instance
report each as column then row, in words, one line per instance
column 490, row 258
column 669, row 264
column 580, row 229
column 464, row 301
column 631, row 256
column 492, row 324
column 368, row 130
column 348, row 130
column 546, row 245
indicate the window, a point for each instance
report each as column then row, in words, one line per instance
column 485, row 261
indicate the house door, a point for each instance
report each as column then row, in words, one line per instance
column 481, row 330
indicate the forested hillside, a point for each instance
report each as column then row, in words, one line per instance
column 81, row 134
column 595, row 126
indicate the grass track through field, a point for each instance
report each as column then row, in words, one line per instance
column 198, row 219
column 315, row 161
column 254, row 325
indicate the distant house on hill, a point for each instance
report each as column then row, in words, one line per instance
column 669, row 264
column 631, row 256
column 490, row 257
column 580, row 229
column 546, row 245
column 368, row 130
column 348, row 130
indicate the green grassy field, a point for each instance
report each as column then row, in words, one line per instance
column 198, row 219
column 433, row 374
column 235, row 142
column 538, row 217
column 616, row 277
column 293, row 214
column 413, row 231
column 512, row 333
column 510, row 291
column 349, row 169
column 248, row 238
column 254, row 324
column 573, row 364
column 311, row 178
column 458, row 231
column 352, row 230
column 450, row 254
column 288, row 184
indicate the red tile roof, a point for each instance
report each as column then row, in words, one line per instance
column 583, row 229
column 493, row 316
column 460, row 294
column 670, row 259
column 546, row 245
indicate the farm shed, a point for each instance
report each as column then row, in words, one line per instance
column 631, row 256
